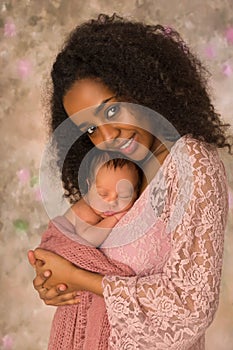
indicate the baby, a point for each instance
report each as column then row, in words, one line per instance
column 113, row 187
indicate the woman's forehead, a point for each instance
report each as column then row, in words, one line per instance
column 85, row 94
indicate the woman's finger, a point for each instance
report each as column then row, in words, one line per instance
column 39, row 280
column 42, row 292
column 73, row 301
column 39, row 263
column 54, row 292
column 31, row 258
column 41, row 254
column 51, row 297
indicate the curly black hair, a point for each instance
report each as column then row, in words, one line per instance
column 145, row 64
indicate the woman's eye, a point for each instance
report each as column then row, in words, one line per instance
column 112, row 111
column 91, row 129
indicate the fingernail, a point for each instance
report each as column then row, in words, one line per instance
column 46, row 273
column 62, row 288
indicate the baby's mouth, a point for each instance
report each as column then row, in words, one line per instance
column 109, row 213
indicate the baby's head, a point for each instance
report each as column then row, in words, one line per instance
column 113, row 184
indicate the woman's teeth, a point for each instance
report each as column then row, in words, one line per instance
column 127, row 144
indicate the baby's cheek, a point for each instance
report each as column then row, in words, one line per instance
column 126, row 204
column 98, row 204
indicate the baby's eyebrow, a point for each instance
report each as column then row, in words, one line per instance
column 100, row 188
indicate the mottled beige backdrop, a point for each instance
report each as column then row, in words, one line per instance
column 31, row 33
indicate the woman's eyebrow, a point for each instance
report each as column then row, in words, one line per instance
column 97, row 110
column 101, row 105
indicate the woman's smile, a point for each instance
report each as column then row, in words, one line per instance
column 129, row 146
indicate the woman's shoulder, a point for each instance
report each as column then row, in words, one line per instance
column 191, row 158
column 192, row 143
column 185, row 158
column 195, row 174
column 197, row 162
column 197, row 151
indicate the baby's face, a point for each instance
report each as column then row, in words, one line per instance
column 113, row 191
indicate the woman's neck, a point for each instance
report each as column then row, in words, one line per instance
column 154, row 161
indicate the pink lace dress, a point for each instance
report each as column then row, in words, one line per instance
column 173, row 239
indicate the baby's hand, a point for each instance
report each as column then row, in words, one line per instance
column 118, row 216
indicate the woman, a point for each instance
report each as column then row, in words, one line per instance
column 106, row 69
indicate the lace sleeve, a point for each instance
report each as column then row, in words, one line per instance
column 172, row 309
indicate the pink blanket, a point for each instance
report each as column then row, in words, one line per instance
column 84, row 326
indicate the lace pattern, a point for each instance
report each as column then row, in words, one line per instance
column 177, row 254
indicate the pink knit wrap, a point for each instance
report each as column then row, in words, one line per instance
column 85, row 325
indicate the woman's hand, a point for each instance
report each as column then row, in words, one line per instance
column 51, row 282
column 55, row 296
column 58, row 281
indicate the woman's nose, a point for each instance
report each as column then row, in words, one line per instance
column 109, row 132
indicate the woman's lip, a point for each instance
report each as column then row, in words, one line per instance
column 128, row 146
column 126, row 143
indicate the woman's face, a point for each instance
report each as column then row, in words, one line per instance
column 109, row 124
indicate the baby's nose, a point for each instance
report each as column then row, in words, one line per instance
column 112, row 202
